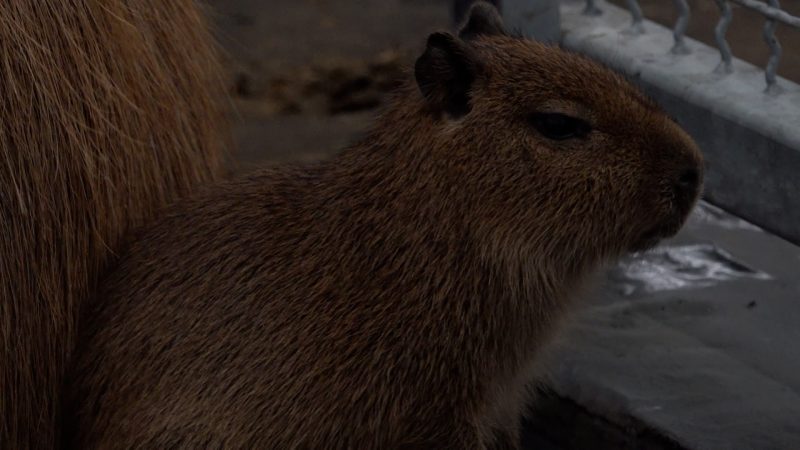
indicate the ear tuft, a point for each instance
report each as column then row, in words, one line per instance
column 483, row 19
column 445, row 73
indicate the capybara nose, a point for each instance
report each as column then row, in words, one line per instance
column 688, row 182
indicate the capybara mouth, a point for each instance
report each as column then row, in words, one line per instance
column 653, row 236
column 668, row 227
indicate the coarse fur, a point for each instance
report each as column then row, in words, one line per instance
column 397, row 295
column 108, row 110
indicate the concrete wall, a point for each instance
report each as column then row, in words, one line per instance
column 536, row 19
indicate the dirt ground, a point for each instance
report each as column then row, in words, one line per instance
column 307, row 75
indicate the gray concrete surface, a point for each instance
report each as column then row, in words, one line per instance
column 713, row 364
column 535, row 19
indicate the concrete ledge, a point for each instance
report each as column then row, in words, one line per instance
column 558, row 423
column 710, row 363
column 751, row 138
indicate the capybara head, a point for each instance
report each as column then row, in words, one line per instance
column 556, row 150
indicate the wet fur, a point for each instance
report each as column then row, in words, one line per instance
column 108, row 110
column 395, row 296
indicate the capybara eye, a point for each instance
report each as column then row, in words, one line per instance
column 559, row 127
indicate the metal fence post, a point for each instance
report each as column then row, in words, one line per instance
column 537, row 19
column 460, row 8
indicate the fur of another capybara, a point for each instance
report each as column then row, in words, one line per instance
column 397, row 295
column 108, row 110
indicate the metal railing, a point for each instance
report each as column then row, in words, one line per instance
column 771, row 10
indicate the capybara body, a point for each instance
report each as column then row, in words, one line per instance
column 397, row 295
column 108, row 110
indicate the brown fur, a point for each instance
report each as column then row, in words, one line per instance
column 395, row 296
column 108, row 109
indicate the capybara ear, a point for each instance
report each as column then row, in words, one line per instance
column 483, row 20
column 445, row 73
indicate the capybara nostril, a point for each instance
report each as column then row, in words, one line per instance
column 688, row 181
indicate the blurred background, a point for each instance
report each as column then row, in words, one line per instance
column 308, row 75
